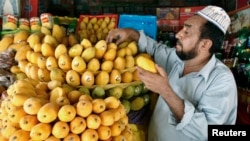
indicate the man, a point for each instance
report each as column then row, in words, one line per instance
column 195, row 89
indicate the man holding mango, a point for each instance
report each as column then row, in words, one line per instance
column 195, row 88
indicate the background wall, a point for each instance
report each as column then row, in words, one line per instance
column 147, row 7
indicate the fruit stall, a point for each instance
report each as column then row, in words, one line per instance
column 60, row 80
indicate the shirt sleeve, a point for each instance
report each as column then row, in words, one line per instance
column 144, row 43
column 165, row 56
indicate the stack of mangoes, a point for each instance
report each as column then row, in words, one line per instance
column 95, row 28
column 31, row 111
column 46, row 57
column 62, row 68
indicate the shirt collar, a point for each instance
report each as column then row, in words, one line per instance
column 206, row 70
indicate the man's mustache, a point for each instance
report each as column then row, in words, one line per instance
column 178, row 43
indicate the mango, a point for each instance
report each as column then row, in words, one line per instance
column 146, row 64
column 137, row 103
column 5, row 42
column 87, row 78
column 58, row 32
column 48, row 113
column 88, row 53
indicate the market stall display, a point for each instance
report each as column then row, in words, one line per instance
column 63, row 80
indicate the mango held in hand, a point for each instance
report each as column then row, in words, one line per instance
column 146, row 63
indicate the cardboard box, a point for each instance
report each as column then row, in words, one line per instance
column 186, row 12
column 33, row 8
column 168, row 13
column 168, row 25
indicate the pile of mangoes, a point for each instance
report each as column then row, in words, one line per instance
column 95, row 28
column 32, row 111
column 55, row 69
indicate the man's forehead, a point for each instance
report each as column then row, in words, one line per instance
column 195, row 20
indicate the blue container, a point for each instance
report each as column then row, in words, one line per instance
column 139, row 22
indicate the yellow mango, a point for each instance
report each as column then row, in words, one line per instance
column 146, row 64
column 5, row 42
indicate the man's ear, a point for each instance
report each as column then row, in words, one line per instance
column 206, row 44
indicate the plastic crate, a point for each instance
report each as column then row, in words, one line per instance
column 139, row 22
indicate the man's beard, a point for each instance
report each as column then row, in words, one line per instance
column 187, row 55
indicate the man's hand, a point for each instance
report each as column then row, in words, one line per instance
column 157, row 83
column 120, row 35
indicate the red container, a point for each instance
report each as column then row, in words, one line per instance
column 93, row 34
column 98, row 17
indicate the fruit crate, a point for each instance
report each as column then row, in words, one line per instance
column 94, row 26
column 115, row 16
